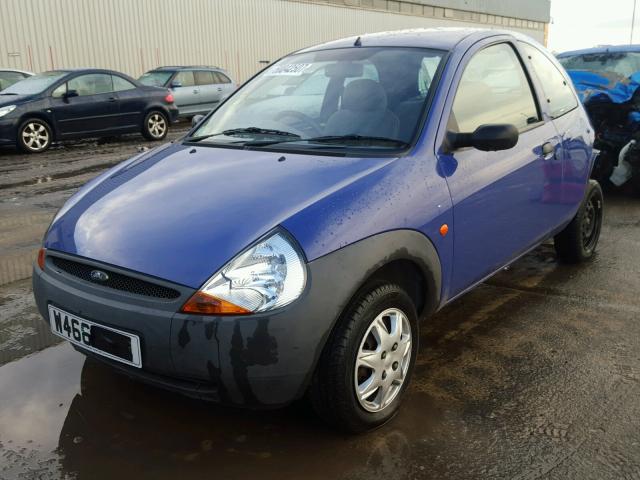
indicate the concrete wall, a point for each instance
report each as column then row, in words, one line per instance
column 133, row 36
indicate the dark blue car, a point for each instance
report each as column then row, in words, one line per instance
column 291, row 243
column 70, row 104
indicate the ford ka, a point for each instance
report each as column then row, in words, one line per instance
column 292, row 242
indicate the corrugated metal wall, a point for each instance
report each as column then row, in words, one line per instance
column 133, row 36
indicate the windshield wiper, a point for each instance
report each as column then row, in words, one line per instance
column 8, row 93
column 243, row 131
column 332, row 139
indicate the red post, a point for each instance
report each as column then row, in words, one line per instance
column 30, row 58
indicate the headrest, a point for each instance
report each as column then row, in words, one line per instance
column 364, row 95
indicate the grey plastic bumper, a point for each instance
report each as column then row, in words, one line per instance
column 256, row 361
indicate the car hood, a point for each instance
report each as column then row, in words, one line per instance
column 181, row 212
column 14, row 99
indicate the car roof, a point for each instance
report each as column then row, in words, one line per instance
column 185, row 67
column 444, row 38
column 601, row 49
column 87, row 70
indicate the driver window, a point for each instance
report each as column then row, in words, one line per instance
column 493, row 89
column 59, row 91
column 185, row 78
column 93, row 84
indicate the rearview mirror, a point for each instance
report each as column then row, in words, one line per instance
column 196, row 120
column 487, row 138
column 175, row 84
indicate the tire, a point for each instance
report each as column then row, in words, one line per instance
column 34, row 136
column 340, row 373
column 155, row 126
column 578, row 241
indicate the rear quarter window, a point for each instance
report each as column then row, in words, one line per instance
column 556, row 87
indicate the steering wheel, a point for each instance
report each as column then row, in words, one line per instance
column 301, row 122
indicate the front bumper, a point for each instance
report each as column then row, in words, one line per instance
column 258, row 361
column 8, row 131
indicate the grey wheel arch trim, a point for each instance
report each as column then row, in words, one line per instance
column 349, row 269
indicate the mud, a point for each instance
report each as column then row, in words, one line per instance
column 534, row 374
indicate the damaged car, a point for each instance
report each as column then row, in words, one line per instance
column 607, row 80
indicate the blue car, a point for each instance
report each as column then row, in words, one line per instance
column 274, row 253
column 607, row 80
column 81, row 103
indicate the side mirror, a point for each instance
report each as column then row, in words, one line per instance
column 175, row 84
column 70, row 94
column 196, row 120
column 487, row 138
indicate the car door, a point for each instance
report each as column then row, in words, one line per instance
column 224, row 84
column 501, row 206
column 132, row 103
column 563, row 108
column 210, row 93
column 186, row 93
column 86, row 104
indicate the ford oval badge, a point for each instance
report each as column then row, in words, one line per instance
column 99, row 276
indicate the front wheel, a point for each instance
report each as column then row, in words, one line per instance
column 368, row 361
column 34, row 136
column 155, row 126
column 578, row 241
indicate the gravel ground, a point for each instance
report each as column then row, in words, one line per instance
column 534, row 374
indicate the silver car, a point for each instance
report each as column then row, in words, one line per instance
column 9, row 76
column 196, row 90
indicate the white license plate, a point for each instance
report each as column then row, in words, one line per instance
column 106, row 341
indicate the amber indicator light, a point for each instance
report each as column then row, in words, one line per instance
column 444, row 229
column 204, row 304
column 41, row 254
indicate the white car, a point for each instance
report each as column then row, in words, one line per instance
column 10, row 76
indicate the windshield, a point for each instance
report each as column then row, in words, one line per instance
column 620, row 63
column 32, row 85
column 155, row 79
column 345, row 98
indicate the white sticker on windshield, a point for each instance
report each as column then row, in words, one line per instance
column 292, row 69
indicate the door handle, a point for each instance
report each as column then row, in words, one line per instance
column 548, row 151
column 196, row 91
column 219, row 89
column 112, row 99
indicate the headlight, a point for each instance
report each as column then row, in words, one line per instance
column 266, row 276
column 7, row 110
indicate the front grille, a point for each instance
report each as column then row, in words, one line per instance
column 116, row 281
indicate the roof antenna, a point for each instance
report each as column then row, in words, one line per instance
column 358, row 42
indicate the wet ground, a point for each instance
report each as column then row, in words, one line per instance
column 535, row 374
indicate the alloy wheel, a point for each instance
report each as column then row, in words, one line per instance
column 383, row 360
column 156, row 125
column 35, row 136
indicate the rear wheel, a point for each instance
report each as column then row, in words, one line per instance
column 34, row 136
column 578, row 241
column 368, row 361
column 155, row 126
